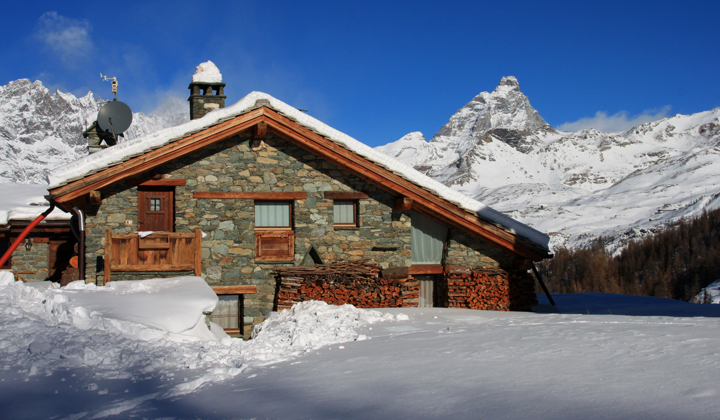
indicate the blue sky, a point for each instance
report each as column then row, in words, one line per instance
column 379, row 70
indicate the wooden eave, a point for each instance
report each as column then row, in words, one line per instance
column 423, row 200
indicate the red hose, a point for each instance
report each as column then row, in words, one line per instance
column 24, row 233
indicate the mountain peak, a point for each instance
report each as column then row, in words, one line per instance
column 505, row 108
column 509, row 81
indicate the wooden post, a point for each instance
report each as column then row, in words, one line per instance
column 198, row 252
column 108, row 256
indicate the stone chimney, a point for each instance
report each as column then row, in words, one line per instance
column 206, row 90
column 96, row 137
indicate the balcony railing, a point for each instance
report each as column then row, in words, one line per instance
column 159, row 251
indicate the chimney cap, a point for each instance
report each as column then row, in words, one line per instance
column 207, row 72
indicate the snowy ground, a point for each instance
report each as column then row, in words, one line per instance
column 602, row 357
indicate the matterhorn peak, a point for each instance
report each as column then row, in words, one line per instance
column 509, row 81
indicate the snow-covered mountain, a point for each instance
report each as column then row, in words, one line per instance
column 40, row 130
column 573, row 186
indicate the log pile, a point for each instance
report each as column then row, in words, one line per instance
column 489, row 288
column 357, row 283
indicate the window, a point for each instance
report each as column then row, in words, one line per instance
column 228, row 313
column 345, row 213
column 427, row 239
column 274, row 237
column 273, row 214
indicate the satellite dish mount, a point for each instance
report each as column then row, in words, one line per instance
column 114, row 117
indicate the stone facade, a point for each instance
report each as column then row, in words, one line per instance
column 35, row 260
column 238, row 164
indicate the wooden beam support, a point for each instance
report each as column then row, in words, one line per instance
column 235, row 290
column 344, row 195
column 419, row 269
column 158, row 267
column 260, row 130
column 394, row 273
column 251, row 195
column 403, row 204
column 165, row 182
column 95, row 198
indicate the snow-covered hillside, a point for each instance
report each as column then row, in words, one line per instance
column 573, row 186
column 40, row 131
column 85, row 352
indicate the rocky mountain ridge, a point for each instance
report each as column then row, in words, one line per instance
column 40, row 130
column 573, row 186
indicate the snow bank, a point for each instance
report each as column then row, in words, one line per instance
column 713, row 293
column 175, row 305
column 308, row 326
column 153, row 329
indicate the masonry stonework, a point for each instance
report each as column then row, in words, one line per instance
column 232, row 165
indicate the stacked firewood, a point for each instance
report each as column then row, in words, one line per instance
column 489, row 288
column 357, row 283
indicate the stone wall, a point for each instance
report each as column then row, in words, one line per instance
column 34, row 260
column 276, row 165
column 382, row 235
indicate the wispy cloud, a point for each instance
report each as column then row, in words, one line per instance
column 616, row 122
column 68, row 38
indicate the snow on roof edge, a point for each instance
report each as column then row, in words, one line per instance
column 118, row 153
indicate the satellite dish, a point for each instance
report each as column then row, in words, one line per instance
column 114, row 118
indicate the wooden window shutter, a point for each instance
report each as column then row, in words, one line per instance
column 273, row 245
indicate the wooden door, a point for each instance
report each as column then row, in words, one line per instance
column 156, row 210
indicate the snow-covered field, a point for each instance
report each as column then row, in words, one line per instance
column 82, row 353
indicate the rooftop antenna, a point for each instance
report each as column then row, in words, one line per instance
column 114, row 82
column 114, row 117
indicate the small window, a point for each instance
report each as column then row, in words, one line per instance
column 345, row 213
column 155, row 204
column 228, row 313
column 273, row 215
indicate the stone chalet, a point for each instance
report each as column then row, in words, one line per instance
column 241, row 193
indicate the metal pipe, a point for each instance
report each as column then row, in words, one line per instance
column 542, row 284
column 81, row 243
column 24, row 233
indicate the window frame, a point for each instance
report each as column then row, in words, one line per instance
column 290, row 215
column 355, row 213
column 268, row 239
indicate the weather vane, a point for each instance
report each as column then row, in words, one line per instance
column 114, row 82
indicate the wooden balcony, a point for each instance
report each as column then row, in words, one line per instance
column 159, row 251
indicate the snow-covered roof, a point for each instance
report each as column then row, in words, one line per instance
column 26, row 202
column 121, row 152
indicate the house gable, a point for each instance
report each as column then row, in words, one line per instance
column 264, row 118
